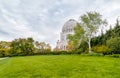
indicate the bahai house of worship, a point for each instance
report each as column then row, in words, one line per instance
column 68, row 28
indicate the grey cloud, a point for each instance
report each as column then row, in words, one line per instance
column 43, row 19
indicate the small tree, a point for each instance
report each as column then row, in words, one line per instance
column 74, row 40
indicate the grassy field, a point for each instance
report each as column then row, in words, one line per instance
column 60, row 66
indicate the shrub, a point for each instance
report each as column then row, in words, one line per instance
column 95, row 54
column 116, row 55
column 102, row 49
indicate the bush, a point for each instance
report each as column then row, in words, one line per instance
column 116, row 55
column 102, row 49
column 95, row 54
column 83, row 46
column 78, row 51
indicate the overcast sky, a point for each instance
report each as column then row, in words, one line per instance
column 43, row 19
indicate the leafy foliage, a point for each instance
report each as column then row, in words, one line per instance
column 86, row 29
column 114, row 44
column 91, row 22
column 4, row 48
column 74, row 41
column 22, row 46
column 110, row 39
column 102, row 49
column 42, row 47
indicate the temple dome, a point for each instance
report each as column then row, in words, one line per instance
column 69, row 26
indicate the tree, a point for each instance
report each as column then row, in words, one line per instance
column 91, row 22
column 42, row 47
column 117, row 29
column 75, row 40
column 70, row 46
column 4, row 48
column 114, row 44
column 22, row 46
column 48, row 47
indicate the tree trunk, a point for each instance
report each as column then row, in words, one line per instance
column 89, row 44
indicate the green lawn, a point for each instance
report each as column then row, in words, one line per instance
column 60, row 66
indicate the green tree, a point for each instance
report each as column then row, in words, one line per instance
column 91, row 22
column 42, row 47
column 4, row 48
column 74, row 41
column 48, row 48
column 114, row 44
column 22, row 46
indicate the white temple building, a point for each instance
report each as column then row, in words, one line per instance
column 68, row 28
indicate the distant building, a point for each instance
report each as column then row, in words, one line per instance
column 68, row 28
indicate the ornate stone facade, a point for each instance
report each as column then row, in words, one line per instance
column 68, row 28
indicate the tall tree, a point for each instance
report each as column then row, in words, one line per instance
column 91, row 22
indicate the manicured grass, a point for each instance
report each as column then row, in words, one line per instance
column 60, row 66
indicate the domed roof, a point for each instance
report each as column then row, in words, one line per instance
column 69, row 25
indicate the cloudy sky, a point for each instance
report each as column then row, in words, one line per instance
column 43, row 19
